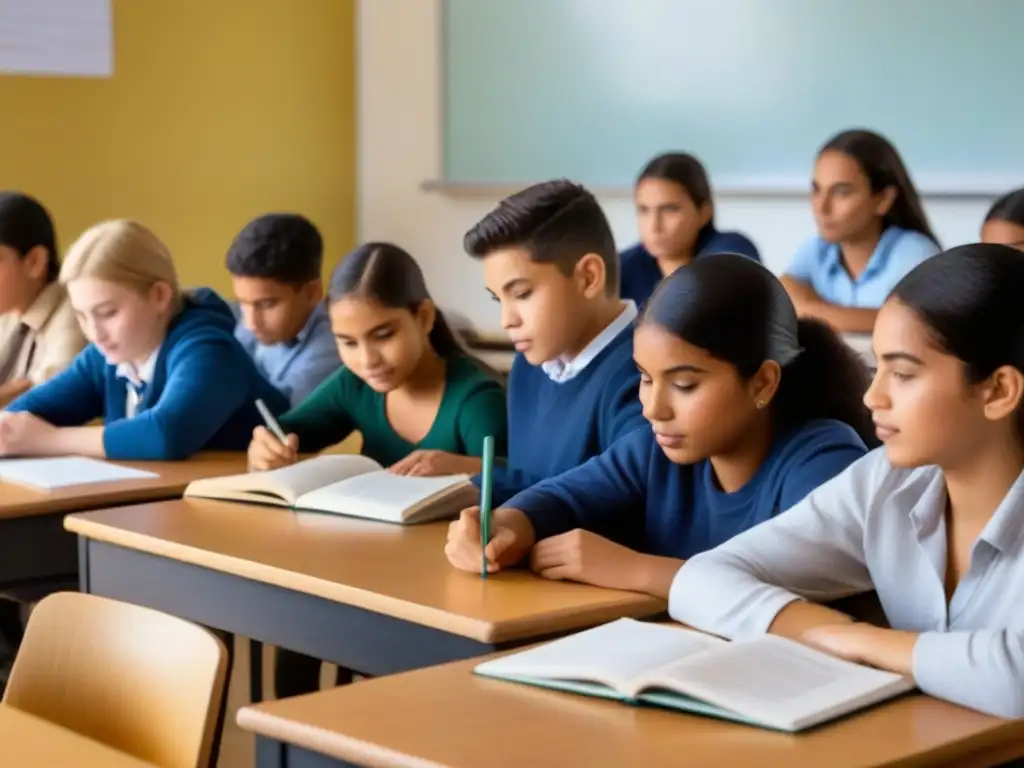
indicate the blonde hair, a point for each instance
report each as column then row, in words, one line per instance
column 122, row 252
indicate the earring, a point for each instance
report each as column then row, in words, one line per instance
column 760, row 404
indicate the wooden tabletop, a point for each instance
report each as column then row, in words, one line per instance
column 445, row 716
column 19, row 501
column 27, row 741
column 390, row 569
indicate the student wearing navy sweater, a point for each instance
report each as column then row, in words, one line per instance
column 749, row 410
column 549, row 259
column 163, row 369
column 676, row 216
column 872, row 230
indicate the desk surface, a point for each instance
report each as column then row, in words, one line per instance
column 18, row 501
column 389, row 569
column 27, row 741
column 445, row 716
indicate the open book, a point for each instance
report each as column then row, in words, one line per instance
column 769, row 681
column 345, row 485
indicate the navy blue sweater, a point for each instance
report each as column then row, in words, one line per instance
column 634, row 495
column 554, row 427
column 202, row 395
column 640, row 273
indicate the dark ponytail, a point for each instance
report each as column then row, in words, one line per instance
column 390, row 276
column 738, row 311
column 827, row 380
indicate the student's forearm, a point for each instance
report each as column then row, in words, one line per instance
column 12, row 389
column 844, row 319
column 798, row 617
column 79, row 441
column 654, row 575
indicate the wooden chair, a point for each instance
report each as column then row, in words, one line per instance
column 135, row 679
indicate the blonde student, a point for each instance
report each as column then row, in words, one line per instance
column 163, row 369
column 872, row 230
column 748, row 411
column 39, row 336
column 422, row 405
column 934, row 522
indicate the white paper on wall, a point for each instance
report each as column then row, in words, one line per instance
column 57, row 37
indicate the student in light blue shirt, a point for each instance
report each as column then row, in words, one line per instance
column 676, row 216
column 872, row 230
column 275, row 264
column 738, row 430
column 933, row 522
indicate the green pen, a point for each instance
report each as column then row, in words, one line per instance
column 485, row 501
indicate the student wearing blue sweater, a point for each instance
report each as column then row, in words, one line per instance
column 872, row 230
column 163, row 369
column 676, row 216
column 549, row 259
column 749, row 410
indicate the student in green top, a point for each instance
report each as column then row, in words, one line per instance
column 407, row 385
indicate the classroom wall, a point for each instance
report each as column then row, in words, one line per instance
column 400, row 142
column 218, row 110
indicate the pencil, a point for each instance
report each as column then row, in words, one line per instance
column 485, row 500
column 270, row 421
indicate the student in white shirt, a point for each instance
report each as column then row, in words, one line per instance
column 933, row 522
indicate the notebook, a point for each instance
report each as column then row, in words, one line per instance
column 770, row 682
column 64, row 471
column 345, row 485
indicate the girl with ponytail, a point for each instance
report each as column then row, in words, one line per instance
column 750, row 409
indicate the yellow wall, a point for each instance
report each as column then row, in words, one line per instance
column 218, row 110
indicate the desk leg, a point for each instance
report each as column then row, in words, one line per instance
column 271, row 753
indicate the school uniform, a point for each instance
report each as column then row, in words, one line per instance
column 563, row 412
column 41, row 342
column 197, row 392
column 633, row 494
column 298, row 366
column 879, row 527
column 820, row 264
column 639, row 273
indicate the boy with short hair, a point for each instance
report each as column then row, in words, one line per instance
column 275, row 264
column 39, row 335
column 549, row 258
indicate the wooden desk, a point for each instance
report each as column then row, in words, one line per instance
column 444, row 716
column 33, row 542
column 373, row 597
column 27, row 741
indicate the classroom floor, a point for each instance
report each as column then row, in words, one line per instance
column 238, row 746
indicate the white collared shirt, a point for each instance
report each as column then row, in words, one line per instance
column 560, row 370
column 134, row 378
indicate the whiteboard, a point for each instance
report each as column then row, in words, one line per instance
column 592, row 89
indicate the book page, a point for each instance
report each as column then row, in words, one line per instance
column 380, row 495
column 286, row 483
column 776, row 681
column 612, row 654
column 50, row 474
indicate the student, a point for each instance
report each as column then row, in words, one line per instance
column 163, row 369
column 549, row 260
column 275, row 264
column 932, row 522
column 749, row 410
column 676, row 216
column 39, row 336
column 422, row 404
column 872, row 230
column 1004, row 222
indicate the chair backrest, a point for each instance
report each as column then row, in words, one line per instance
column 133, row 678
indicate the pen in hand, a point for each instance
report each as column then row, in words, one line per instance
column 271, row 422
column 485, row 501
